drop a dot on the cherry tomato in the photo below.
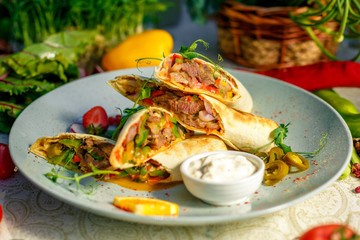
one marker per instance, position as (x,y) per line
(95,121)
(330,231)
(7,165)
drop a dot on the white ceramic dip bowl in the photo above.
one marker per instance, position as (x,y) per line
(227,191)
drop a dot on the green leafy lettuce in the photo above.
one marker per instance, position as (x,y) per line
(40,68)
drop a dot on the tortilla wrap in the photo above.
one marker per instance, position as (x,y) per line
(123,154)
(239,99)
(172,158)
(240,130)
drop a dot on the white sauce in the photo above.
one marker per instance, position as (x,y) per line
(221,168)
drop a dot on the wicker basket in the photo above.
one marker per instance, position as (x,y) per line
(266,38)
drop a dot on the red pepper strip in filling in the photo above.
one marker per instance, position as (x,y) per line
(76,159)
(147,101)
(157,93)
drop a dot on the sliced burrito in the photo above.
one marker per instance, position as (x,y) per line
(145,134)
(82,152)
(165,166)
(77,152)
(201,77)
(198,112)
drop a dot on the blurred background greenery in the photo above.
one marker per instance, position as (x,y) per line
(47,43)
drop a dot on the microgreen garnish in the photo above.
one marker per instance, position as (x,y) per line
(322,142)
(144,93)
(53,176)
(190,52)
(147,59)
(280,134)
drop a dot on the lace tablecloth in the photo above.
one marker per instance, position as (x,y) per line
(29,214)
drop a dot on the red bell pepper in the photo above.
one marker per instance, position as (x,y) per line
(320,75)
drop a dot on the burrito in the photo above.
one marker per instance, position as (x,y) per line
(165,166)
(146,133)
(201,77)
(77,152)
(201,113)
(82,152)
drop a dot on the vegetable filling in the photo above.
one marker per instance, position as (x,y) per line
(153,131)
(150,171)
(80,154)
(191,109)
(193,73)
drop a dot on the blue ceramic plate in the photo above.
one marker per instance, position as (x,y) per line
(310,117)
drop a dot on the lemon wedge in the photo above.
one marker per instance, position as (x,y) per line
(146,206)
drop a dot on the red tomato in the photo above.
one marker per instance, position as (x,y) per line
(7,165)
(95,121)
(1,213)
(330,232)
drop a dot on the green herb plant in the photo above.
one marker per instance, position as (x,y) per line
(32,20)
(344,12)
